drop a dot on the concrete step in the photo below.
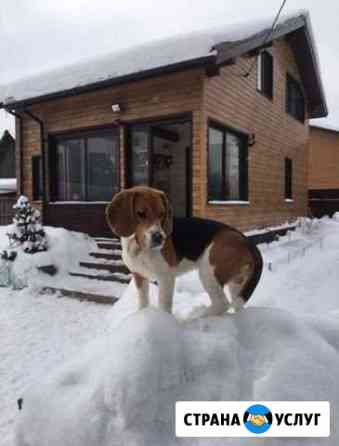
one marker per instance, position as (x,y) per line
(82,296)
(109,245)
(112,268)
(106,255)
(114,277)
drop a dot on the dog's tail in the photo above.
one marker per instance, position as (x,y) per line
(253,280)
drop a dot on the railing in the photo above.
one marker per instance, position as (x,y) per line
(6,209)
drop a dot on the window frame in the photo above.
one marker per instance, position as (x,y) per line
(243,165)
(288,173)
(291,81)
(261,74)
(82,134)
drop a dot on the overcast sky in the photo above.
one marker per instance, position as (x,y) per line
(36,35)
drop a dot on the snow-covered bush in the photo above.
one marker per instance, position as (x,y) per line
(27,231)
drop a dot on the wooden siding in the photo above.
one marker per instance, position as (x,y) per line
(233,100)
(7,201)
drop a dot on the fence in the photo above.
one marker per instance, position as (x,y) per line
(6,209)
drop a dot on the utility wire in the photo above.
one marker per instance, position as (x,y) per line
(267,37)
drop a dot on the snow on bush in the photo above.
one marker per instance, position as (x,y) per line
(122,389)
(27,231)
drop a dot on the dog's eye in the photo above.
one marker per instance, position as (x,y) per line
(141,215)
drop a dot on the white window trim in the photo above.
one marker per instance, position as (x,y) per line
(229,202)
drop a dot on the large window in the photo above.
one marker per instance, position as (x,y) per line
(86,166)
(265,74)
(295,102)
(227,165)
(288,178)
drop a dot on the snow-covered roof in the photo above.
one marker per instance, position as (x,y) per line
(7,185)
(175,52)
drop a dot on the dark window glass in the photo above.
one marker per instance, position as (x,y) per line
(102,167)
(265,74)
(295,102)
(288,178)
(227,165)
(87,167)
(37,177)
(139,168)
(71,185)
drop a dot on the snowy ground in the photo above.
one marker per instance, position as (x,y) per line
(284,346)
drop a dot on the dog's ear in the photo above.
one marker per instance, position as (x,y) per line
(120,214)
(167,224)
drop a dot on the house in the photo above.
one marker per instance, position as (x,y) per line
(217,119)
(7,156)
(323,178)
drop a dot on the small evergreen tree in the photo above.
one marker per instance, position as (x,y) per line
(27,231)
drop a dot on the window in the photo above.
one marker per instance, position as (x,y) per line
(227,165)
(295,102)
(37,177)
(288,179)
(87,166)
(265,74)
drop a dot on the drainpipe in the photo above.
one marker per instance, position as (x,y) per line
(16,115)
(43,158)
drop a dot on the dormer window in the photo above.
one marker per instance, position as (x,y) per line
(265,74)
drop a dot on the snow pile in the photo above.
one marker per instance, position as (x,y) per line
(122,390)
(65,249)
(7,185)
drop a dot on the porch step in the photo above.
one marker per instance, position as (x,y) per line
(106,243)
(116,267)
(82,296)
(113,255)
(114,277)
(109,245)
(106,263)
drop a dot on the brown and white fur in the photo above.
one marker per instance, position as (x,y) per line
(156,247)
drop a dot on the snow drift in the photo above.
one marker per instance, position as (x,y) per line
(122,388)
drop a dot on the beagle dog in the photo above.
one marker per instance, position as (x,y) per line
(158,247)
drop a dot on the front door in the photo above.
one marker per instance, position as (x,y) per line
(159,156)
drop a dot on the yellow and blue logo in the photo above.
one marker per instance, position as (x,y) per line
(258,419)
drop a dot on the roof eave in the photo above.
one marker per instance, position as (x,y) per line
(180,66)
